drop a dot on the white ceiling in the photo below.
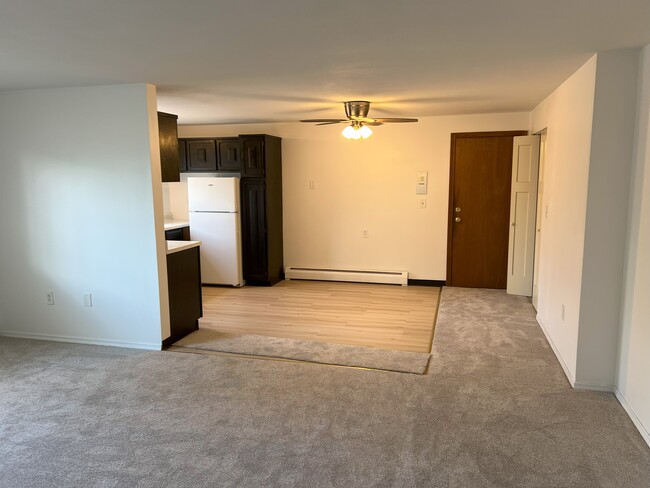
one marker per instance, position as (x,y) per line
(225,61)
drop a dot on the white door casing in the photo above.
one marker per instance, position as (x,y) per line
(523,206)
(538,224)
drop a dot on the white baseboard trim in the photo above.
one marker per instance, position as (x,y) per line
(556,351)
(638,423)
(352,275)
(81,340)
(574,384)
(594,387)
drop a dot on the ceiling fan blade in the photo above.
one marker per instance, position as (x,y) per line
(396,119)
(376,122)
(333,121)
(330,122)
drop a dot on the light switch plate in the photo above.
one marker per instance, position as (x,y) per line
(421,184)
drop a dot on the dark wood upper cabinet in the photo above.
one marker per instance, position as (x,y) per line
(182,156)
(253,157)
(229,154)
(201,155)
(168,135)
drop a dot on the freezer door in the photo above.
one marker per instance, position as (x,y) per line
(220,237)
(213,194)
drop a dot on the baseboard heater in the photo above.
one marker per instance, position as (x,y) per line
(355,275)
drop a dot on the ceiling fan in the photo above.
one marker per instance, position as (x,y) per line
(357,116)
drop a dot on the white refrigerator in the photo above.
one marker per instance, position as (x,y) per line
(214,220)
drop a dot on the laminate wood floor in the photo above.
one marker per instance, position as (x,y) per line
(383,316)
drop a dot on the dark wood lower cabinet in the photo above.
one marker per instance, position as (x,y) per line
(182,234)
(185,301)
(261,214)
(253,215)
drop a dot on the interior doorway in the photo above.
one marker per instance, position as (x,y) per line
(479,208)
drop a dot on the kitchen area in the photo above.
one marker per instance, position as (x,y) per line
(222,200)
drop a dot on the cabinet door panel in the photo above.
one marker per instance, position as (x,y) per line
(182,156)
(168,137)
(254,250)
(182,234)
(185,301)
(253,163)
(201,156)
(229,155)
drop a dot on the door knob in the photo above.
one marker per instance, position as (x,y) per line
(457,219)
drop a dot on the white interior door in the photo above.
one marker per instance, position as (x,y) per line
(523,205)
(538,224)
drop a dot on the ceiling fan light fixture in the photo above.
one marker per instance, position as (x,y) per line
(356,113)
(357,132)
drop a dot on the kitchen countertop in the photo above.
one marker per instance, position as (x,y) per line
(176,224)
(177,246)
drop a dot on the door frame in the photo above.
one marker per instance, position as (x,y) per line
(452,167)
(543,137)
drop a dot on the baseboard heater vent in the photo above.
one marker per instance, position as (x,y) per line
(355,275)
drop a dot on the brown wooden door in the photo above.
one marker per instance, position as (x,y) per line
(479,209)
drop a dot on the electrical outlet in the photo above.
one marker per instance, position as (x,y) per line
(364,233)
(49,298)
(88,300)
(423,203)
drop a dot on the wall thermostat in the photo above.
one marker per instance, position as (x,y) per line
(421,185)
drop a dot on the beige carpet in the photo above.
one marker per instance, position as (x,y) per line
(494,411)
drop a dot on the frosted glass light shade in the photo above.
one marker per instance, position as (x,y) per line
(365,131)
(352,132)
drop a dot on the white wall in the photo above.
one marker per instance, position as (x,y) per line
(175,199)
(591,124)
(633,382)
(612,147)
(82,212)
(367,185)
(567,115)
